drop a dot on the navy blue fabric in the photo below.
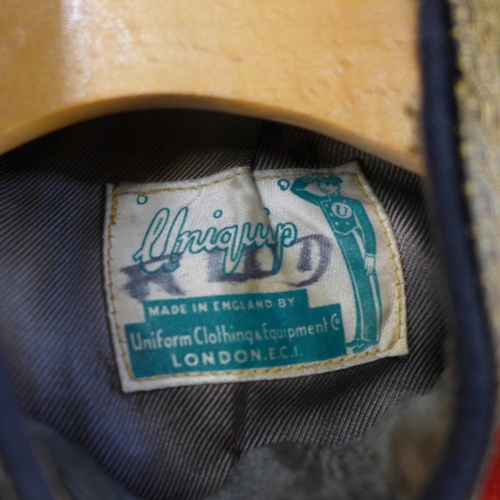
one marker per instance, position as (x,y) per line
(458,472)
(78,474)
(16,449)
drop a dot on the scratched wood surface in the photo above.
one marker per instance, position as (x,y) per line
(345,68)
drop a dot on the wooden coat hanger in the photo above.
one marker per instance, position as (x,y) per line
(345,68)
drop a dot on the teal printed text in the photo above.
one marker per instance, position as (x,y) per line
(233,332)
(166,240)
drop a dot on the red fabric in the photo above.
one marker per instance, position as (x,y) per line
(492,483)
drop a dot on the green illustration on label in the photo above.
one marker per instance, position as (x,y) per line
(356,238)
(233,332)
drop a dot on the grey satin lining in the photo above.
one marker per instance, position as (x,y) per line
(180,443)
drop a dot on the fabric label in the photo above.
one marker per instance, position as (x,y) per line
(250,275)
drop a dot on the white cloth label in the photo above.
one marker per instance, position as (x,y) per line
(250,275)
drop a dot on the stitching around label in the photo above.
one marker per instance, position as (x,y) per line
(255,371)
